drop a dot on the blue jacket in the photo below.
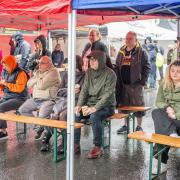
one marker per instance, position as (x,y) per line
(57,58)
(11,78)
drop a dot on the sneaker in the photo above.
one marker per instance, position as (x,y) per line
(174,135)
(122,130)
(95,152)
(39,133)
(47,136)
(3,135)
(139,128)
(155,167)
(45,147)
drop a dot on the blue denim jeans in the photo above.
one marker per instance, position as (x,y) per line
(96,120)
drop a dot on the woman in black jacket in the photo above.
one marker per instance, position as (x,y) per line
(94,44)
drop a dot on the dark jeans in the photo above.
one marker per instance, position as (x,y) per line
(8,105)
(96,120)
(166,126)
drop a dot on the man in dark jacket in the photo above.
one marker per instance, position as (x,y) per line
(133,70)
(41,50)
(96,100)
(22,49)
(13,85)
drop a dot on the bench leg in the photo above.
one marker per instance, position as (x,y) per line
(159,155)
(106,124)
(21,132)
(55,145)
(133,118)
(150,161)
(56,157)
(128,128)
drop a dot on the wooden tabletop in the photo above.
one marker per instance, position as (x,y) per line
(38,121)
(156,138)
(133,108)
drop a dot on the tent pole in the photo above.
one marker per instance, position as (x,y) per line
(71,95)
(50,44)
(178,35)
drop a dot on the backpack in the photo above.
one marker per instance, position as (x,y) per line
(159,60)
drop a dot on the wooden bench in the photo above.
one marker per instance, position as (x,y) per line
(130,110)
(45,122)
(158,139)
(107,124)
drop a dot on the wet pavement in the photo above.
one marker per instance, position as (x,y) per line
(126,159)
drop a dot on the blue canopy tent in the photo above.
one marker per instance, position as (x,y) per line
(105,8)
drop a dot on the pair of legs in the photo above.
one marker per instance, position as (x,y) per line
(96,120)
(152,75)
(166,126)
(44,106)
(132,96)
(8,105)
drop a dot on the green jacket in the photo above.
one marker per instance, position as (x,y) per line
(169,97)
(98,89)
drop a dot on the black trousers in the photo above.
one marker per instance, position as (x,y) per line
(166,126)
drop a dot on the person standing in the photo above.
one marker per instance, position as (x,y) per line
(22,49)
(152,50)
(57,56)
(94,44)
(133,70)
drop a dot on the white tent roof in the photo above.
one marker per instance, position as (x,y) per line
(142,28)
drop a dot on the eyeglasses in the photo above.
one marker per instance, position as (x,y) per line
(42,63)
(92,59)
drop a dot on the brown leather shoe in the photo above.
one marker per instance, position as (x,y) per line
(95,152)
(77,149)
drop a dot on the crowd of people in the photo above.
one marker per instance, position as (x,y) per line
(99,86)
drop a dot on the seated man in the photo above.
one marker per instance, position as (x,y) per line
(45,83)
(58,107)
(13,85)
(96,100)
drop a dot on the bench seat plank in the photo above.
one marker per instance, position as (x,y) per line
(156,138)
(118,116)
(38,121)
(133,108)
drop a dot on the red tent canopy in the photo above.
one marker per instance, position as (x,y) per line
(34,7)
(52,14)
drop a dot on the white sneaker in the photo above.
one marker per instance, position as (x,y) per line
(155,167)
(174,135)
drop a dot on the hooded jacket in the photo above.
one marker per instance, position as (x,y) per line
(98,89)
(38,54)
(15,80)
(140,66)
(22,48)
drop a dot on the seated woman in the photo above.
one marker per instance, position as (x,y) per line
(96,100)
(167,115)
(59,108)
